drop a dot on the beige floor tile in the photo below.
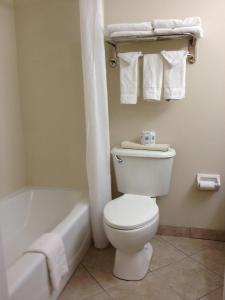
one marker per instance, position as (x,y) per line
(189,279)
(212,258)
(215,295)
(174,276)
(188,245)
(100,259)
(164,254)
(101,296)
(151,287)
(106,279)
(100,264)
(81,286)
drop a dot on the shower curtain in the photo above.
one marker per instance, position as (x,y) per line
(96,111)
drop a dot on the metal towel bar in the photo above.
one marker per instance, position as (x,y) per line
(114,42)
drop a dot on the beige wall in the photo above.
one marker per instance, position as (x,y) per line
(12,162)
(195,127)
(51,91)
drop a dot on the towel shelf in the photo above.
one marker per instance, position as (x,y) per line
(114,42)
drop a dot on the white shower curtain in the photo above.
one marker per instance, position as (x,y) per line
(96,110)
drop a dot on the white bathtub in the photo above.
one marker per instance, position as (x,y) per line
(26,215)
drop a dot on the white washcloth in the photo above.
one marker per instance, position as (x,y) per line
(196,30)
(173,23)
(131,33)
(152,76)
(174,74)
(143,26)
(52,247)
(129,77)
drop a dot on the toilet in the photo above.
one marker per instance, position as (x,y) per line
(131,220)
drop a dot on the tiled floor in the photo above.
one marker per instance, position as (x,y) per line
(181,269)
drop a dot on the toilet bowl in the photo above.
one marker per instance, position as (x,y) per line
(130,222)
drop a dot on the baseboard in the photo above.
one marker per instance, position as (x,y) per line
(191,232)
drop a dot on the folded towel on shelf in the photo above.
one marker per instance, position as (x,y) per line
(142,26)
(174,74)
(150,147)
(51,246)
(173,23)
(131,33)
(129,75)
(152,76)
(196,30)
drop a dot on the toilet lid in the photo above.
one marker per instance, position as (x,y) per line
(130,211)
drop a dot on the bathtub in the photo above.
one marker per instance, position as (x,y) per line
(24,216)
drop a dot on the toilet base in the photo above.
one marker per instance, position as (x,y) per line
(132,266)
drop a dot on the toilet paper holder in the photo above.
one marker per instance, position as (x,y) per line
(208,182)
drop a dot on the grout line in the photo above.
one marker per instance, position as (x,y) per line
(188,255)
(208,294)
(89,272)
(105,289)
(191,257)
(102,287)
(168,265)
(67,287)
(171,244)
(205,267)
(86,269)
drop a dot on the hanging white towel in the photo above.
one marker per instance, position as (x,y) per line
(152,76)
(196,30)
(131,33)
(174,74)
(129,77)
(173,23)
(142,26)
(52,247)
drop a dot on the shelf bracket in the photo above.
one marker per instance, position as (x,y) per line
(113,55)
(192,50)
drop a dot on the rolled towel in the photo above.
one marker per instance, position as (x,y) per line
(150,147)
(196,30)
(174,23)
(142,26)
(131,33)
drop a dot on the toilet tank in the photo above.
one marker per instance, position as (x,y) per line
(143,172)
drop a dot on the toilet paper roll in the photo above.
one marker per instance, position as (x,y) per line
(207,185)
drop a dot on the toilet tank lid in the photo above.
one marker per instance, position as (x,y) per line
(143,153)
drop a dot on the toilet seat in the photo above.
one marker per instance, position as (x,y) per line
(130,212)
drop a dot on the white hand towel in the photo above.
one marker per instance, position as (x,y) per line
(131,33)
(143,26)
(173,23)
(129,77)
(196,30)
(52,247)
(174,74)
(152,76)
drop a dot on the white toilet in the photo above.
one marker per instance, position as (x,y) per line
(131,221)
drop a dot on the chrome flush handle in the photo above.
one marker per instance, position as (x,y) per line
(118,159)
